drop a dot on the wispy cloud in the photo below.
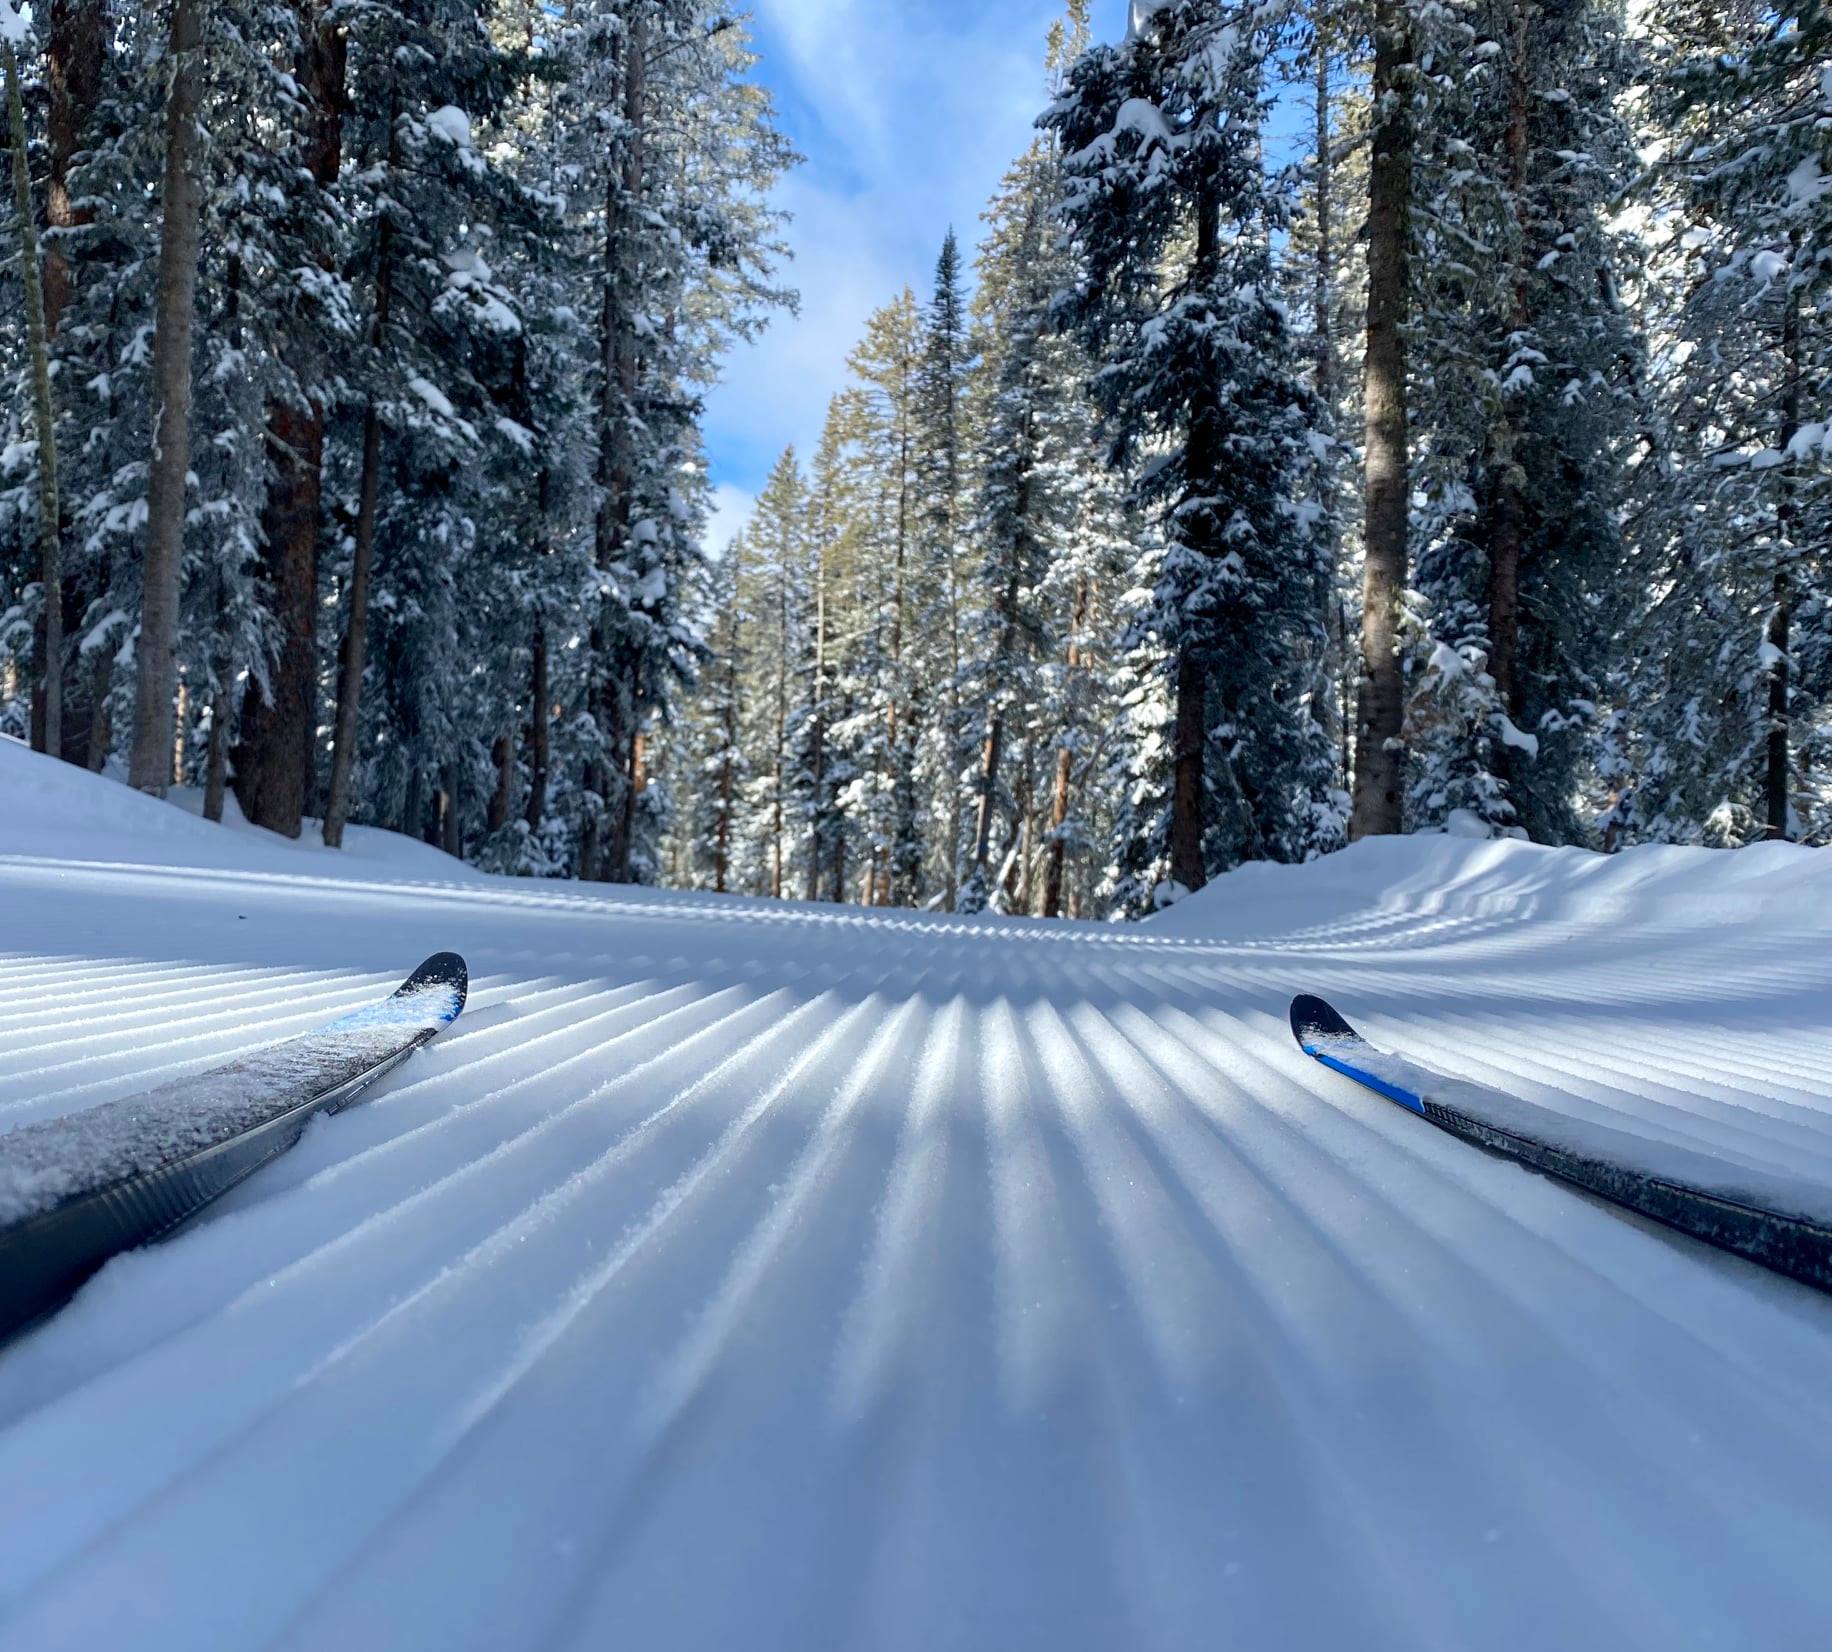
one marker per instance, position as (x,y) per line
(908,114)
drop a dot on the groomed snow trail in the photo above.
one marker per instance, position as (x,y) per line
(743,1276)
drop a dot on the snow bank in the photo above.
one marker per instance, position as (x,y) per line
(55,811)
(1454,872)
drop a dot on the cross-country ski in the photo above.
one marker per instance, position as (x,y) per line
(1762,1212)
(78,1189)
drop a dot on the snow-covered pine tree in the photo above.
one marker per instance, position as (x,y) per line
(48,654)
(1526,418)
(774,597)
(288,232)
(824,769)
(882,683)
(942,443)
(1728,671)
(1173,214)
(688,244)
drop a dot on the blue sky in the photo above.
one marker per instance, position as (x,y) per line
(908,112)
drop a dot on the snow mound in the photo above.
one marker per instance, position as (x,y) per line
(55,811)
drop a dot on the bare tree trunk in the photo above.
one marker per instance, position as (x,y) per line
(150,769)
(538,734)
(1379,748)
(1330,666)
(217,766)
(1189,787)
(1190,736)
(274,758)
(101,733)
(1507,525)
(992,752)
(780,779)
(502,800)
(354,653)
(74,73)
(1778,787)
(1065,761)
(618,703)
(48,712)
(1027,813)
(902,819)
(368,498)
(818,760)
(728,775)
(452,835)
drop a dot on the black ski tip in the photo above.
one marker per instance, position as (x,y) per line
(443,969)
(1313,1018)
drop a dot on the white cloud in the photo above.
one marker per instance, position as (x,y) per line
(731,509)
(910,114)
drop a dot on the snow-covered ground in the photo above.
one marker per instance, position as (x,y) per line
(761,1277)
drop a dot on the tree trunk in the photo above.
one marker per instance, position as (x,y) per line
(452,832)
(1777,787)
(1026,868)
(1507,525)
(150,768)
(780,778)
(101,733)
(1323,703)
(74,74)
(992,752)
(274,758)
(1190,735)
(728,775)
(891,884)
(1189,788)
(356,626)
(818,756)
(217,765)
(1323,299)
(538,734)
(1380,717)
(48,710)
(1065,761)
(356,632)
(502,800)
(616,707)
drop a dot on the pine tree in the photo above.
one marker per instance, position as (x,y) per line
(1174,214)
(47,717)
(1726,681)
(179,214)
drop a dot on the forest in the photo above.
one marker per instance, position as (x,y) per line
(1351,417)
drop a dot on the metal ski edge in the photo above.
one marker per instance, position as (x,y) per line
(1790,1245)
(45,1259)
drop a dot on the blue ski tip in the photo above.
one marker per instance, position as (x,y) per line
(444,969)
(1313,1019)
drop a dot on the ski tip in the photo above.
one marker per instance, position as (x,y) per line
(1314,1019)
(446,972)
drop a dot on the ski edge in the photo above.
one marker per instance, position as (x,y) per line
(46,1258)
(1790,1245)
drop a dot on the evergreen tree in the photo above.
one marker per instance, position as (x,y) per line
(1162,157)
